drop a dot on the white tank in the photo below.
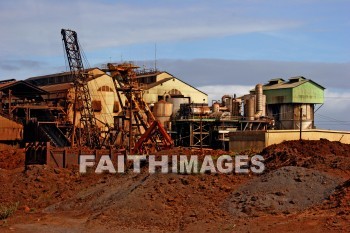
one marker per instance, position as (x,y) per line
(177,102)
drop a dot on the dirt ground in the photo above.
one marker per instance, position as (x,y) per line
(306,188)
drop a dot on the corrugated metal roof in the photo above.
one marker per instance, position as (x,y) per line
(293,82)
(166,80)
(64,74)
(57,87)
(6,84)
(148,74)
(149,86)
(21,86)
(276,79)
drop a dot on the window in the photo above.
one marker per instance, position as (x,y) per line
(105,89)
(174,92)
(96,105)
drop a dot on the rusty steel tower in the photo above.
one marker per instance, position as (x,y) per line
(89,134)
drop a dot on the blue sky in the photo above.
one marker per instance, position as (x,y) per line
(239,42)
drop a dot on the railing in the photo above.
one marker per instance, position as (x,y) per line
(206,117)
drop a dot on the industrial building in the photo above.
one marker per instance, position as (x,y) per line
(181,109)
(160,85)
(285,100)
(277,105)
(200,125)
(122,108)
(155,85)
(20,103)
(60,89)
(291,105)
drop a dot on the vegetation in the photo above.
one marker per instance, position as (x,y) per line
(7,210)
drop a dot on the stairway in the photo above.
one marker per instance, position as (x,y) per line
(54,134)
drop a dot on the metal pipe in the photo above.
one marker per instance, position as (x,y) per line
(259,101)
(225,103)
(165,97)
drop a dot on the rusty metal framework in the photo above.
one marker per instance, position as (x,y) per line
(89,135)
(136,124)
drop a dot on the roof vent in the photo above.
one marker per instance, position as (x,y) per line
(275,81)
(296,79)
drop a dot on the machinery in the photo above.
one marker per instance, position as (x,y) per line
(136,122)
(89,135)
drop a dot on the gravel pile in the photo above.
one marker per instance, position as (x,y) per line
(286,190)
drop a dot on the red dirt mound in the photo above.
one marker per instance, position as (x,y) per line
(322,155)
(341,198)
(12,158)
(157,202)
(182,203)
(40,185)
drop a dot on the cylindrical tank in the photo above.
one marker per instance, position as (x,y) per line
(259,100)
(236,107)
(249,108)
(198,110)
(177,101)
(162,111)
(216,107)
(206,110)
(162,108)
(264,105)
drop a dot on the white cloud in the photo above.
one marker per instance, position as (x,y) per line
(207,72)
(32,27)
(335,112)
(337,100)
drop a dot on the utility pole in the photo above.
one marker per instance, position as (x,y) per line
(201,130)
(130,119)
(300,121)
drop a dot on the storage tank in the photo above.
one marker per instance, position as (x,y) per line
(249,108)
(216,107)
(200,110)
(177,101)
(162,111)
(264,105)
(236,107)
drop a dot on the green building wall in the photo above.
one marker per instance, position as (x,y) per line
(307,93)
